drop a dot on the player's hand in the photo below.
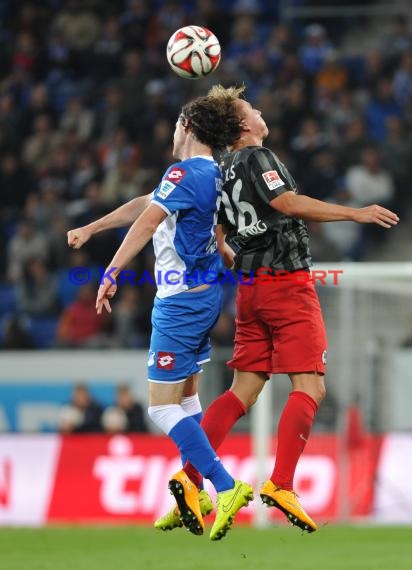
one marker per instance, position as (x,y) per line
(78,237)
(376,215)
(228,256)
(106,291)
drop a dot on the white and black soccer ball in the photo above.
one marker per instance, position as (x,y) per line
(193,52)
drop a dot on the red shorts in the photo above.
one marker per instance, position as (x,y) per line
(279,329)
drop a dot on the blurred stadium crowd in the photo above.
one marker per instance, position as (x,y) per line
(85,414)
(87,112)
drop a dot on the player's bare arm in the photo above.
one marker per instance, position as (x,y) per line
(225,251)
(306,208)
(136,238)
(122,216)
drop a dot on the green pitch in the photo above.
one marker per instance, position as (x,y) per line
(142,548)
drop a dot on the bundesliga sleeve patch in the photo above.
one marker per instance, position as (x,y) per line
(165,189)
(165,360)
(176,174)
(272,179)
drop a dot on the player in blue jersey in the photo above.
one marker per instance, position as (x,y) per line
(181,219)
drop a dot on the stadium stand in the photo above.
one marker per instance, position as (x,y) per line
(88,105)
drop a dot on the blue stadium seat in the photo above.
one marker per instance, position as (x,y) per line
(66,290)
(355,64)
(8,228)
(8,300)
(43,331)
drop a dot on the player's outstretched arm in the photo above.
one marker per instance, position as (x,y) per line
(298,206)
(125,215)
(136,238)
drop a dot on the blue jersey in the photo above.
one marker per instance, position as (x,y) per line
(185,242)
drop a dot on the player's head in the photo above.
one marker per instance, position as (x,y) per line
(212,121)
(252,125)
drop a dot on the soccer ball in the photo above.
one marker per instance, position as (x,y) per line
(193,52)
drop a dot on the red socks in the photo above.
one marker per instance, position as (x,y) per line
(217,422)
(294,429)
(293,433)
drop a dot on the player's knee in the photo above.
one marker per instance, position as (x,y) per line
(320,393)
(166,416)
(246,397)
(311,384)
(252,400)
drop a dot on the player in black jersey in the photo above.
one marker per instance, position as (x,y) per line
(263,237)
(279,325)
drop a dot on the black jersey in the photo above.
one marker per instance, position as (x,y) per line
(261,236)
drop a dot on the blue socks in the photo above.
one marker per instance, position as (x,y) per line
(194,445)
(198,418)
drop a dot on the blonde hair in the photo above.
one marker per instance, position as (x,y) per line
(214,119)
(227,94)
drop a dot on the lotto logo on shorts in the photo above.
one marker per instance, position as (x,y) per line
(166,360)
(176,174)
(272,179)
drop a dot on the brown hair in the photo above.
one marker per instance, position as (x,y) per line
(214,119)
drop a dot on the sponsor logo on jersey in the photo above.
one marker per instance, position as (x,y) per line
(176,174)
(272,179)
(165,189)
(166,360)
(258,228)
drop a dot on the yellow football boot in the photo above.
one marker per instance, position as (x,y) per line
(287,502)
(187,498)
(171,520)
(228,504)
